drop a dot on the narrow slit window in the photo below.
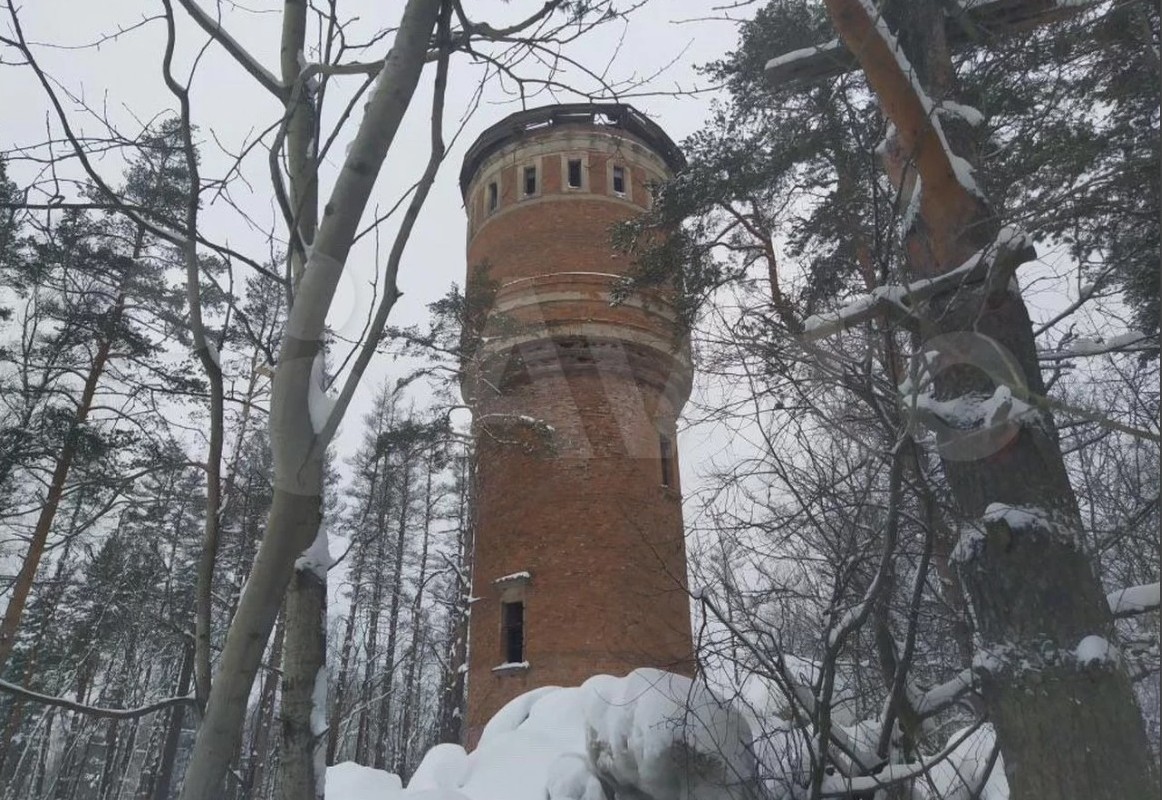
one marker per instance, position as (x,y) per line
(493,196)
(666,448)
(619,180)
(512,633)
(530,180)
(574,173)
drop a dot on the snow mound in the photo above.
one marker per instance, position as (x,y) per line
(650,734)
(351,781)
(664,735)
(653,735)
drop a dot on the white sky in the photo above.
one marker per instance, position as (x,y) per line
(121,80)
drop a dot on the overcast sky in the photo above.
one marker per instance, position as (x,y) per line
(120,80)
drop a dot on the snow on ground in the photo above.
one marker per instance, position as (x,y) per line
(654,735)
(351,781)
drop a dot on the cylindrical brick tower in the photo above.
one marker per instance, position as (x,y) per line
(579,563)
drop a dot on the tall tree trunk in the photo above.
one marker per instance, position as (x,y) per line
(109,751)
(296,517)
(259,755)
(302,763)
(22,585)
(391,662)
(367,696)
(42,759)
(402,764)
(346,653)
(173,733)
(1068,725)
(451,714)
(299,451)
(16,710)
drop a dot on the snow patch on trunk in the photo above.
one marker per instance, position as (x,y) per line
(1093,651)
(317,557)
(319,403)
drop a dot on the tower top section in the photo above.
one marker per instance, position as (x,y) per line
(606,117)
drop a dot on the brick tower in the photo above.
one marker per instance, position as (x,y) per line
(580,564)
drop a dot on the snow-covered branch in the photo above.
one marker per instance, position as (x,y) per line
(994,266)
(1134,600)
(944,695)
(1130,341)
(94,711)
(841,786)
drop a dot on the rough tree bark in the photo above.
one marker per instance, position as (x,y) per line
(1068,727)
(302,762)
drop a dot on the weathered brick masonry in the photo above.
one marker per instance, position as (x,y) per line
(575,400)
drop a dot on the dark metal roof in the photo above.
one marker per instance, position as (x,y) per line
(590,115)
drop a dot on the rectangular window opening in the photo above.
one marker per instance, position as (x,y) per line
(574,173)
(512,633)
(619,180)
(530,180)
(493,196)
(667,453)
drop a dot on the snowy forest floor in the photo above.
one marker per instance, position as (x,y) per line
(652,734)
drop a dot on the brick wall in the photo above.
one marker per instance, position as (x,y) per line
(571,398)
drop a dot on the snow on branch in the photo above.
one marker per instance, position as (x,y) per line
(941,697)
(94,711)
(994,265)
(1134,600)
(973,412)
(891,774)
(320,404)
(1130,341)
(963,29)
(787,62)
(1025,520)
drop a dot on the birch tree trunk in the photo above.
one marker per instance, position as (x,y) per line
(298,451)
(1068,725)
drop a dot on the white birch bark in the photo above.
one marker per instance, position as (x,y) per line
(297,450)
